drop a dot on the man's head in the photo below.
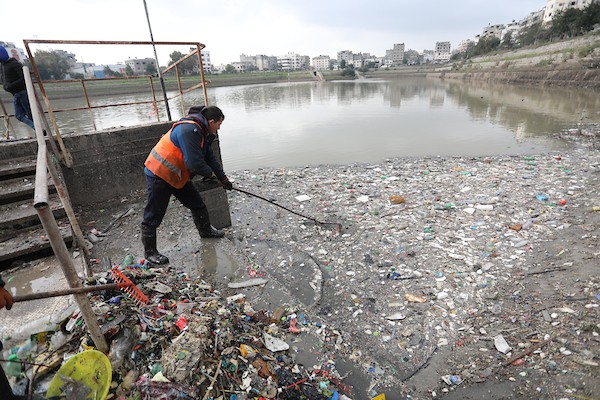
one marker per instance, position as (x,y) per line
(3,54)
(214,116)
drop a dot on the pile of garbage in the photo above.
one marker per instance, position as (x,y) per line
(188,342)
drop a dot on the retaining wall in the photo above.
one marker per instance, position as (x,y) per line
(108,165)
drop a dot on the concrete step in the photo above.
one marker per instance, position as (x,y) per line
(22,214)
(17,167)
(20,188)
(29,242)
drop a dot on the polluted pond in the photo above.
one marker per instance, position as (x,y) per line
(440,277)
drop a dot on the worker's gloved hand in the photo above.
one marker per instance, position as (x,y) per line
(6,299)
(226,184)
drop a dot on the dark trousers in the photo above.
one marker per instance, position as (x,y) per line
(22,108)
(159,193)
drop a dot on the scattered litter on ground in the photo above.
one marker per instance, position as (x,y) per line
(447,272)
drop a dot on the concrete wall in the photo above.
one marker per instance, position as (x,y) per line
(108,165)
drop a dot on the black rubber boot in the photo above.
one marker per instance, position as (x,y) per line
(202,222)
(149,242)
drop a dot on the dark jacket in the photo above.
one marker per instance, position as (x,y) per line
(13,79)
(196,147)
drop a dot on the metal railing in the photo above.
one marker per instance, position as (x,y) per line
(41,204)
(62,151)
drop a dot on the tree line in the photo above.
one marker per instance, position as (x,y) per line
(565,24)
(52,64)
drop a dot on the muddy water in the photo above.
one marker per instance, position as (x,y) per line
(308,123)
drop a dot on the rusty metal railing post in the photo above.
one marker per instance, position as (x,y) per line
(199,49)
(179,89)
(154,99)
(40,202)
(63,194)
(87,101)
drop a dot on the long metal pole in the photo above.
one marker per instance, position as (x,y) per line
(162,82)
(40,202)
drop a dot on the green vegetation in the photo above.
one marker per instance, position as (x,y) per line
(347,69)
(51,65)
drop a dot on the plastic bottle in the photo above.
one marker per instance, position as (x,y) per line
(13,367)
(26,350)
(127,261)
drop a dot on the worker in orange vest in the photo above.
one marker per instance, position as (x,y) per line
(183,152)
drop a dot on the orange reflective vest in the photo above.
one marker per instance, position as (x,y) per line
(166,160)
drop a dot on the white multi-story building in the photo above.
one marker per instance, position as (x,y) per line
(321,62)
(266,63)
(442,52)
(493,31)
(293,62)
(242,66)
(206,63)
(395,56)
(555,6)
(464,45)
(345,55)
(532,18)
(261,61)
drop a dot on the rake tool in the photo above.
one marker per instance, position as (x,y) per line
(123,283)
(338,226)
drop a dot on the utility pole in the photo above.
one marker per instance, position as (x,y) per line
(162,82)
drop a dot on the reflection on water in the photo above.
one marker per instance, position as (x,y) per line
(292,124)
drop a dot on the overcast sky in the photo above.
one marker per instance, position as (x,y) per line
(229,28)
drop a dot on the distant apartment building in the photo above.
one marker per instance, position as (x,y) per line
(293,62)
(206,62)
(464,45)
(395,56)
(261,61)
(532,19)
(246,58)
(555,6)
(321,62)
(428,56)
(14,52)
(140,65)
(511,30)
(345,55)
(442,52)
(372,61)
(70,58)
(412,57)
(493,31)
(85,69)
(207,65)
(242,66)
(266,63)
